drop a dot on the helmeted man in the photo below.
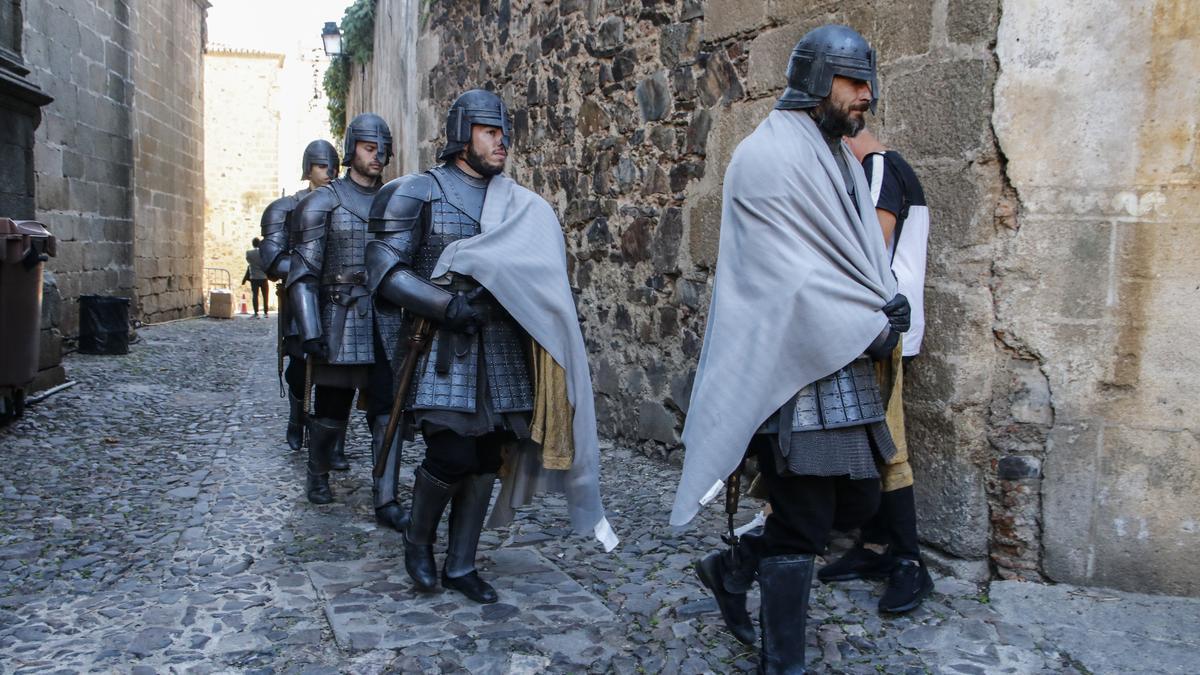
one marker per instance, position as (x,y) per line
(334,315)
(787,372)
(469,250)
(319,165)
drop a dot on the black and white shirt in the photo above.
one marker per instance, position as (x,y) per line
(895,188)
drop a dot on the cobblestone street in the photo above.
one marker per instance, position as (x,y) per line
(153,520)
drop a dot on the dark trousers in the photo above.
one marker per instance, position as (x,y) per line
(333,402)
(805,509)
(259,286)
(293,374)
(895,524)
(380,383)
(450,457)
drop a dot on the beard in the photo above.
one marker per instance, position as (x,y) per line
(835,121)
(363,167)
(476,162)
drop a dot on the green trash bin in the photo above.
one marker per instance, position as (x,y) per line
(25,245)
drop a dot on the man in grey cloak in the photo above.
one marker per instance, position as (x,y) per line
(482,259)
(803,301)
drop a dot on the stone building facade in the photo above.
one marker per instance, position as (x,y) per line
(1052,415)
(242,169)
(117,158)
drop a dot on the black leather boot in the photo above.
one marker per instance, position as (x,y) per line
(467,512)
(338,461)
(295,425)
(785,582)
(429,499)
(322,437)
(907,587)
(857,563)
(728,575)
(388,510)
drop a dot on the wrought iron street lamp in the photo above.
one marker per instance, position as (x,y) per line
(332,37)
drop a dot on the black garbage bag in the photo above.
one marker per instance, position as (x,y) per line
(103,325)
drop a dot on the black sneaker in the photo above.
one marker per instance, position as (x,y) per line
(857,563)
(907,586)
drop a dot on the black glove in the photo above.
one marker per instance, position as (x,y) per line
(317,348)
(460,315)
(883,346)
(899,313)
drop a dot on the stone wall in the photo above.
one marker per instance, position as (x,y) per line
(241,154)
(118,147)
(1096,289)
(626,114)
(168,158)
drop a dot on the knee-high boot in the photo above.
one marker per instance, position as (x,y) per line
(338,461)
(323,433)
(467,512)
(728,574)
(429,499)
(785,582)
(388,510)
(295,425)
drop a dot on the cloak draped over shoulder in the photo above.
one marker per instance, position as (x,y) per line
(802,276)
(520,258)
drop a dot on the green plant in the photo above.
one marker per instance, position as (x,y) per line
(358,46)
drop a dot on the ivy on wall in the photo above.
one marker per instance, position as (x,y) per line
(358,45)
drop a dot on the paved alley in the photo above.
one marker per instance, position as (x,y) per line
(152,520)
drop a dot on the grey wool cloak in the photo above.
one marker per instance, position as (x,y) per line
(802,276)
(521,259)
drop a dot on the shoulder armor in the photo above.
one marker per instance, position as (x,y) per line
(313,208)
(398,204)
(277,211)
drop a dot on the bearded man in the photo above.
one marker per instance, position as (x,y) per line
(483,259)
(327,286)
(803,301)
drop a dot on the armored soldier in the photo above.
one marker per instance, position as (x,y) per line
(319,166)
(798,219)
(473,391)
(332,307)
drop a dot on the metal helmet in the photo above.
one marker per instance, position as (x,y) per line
(368,127)
(320,152)
(819,55)
(477,106)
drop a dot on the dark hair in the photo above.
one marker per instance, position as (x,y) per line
(255,242)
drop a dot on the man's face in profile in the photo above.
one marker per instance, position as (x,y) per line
(842,113)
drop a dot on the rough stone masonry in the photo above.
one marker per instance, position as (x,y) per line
(1053,414)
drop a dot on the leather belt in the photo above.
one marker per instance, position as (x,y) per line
(358,278)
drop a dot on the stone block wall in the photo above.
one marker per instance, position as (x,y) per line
(79,51)
(111,164)
(241,154)
(168,158)
(1051,436)
(1096,288)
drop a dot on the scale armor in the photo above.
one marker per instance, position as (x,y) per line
(413,219)
(849,397)
(329,230)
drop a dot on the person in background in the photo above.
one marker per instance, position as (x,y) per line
(257,276)
(888,547)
